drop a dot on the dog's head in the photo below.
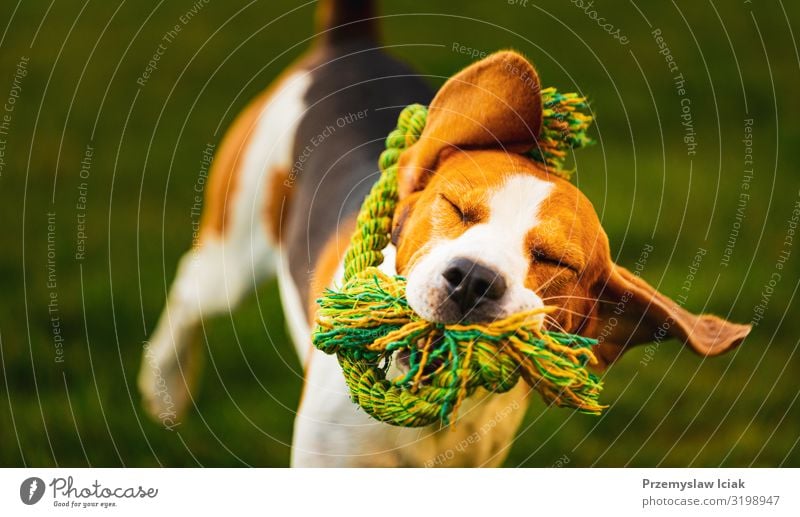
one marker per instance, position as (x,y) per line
(483,232)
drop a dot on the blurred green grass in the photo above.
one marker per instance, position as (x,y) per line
(736,410)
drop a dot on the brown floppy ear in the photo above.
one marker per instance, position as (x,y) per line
(495,102)
(632,312)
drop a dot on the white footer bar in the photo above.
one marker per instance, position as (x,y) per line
(534,492)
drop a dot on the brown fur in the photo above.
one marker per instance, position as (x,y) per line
(323,277)
(465,151)
(495,102)
(226,167)
(330,259)
(279,195)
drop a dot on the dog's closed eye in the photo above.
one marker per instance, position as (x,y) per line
(469,215)
(541,256)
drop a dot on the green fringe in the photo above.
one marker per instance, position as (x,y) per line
(368,320)
(565,122)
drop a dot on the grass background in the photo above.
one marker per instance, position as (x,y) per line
(739,61)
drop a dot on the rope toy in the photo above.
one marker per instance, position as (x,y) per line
(368,323)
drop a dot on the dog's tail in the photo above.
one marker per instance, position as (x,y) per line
(344,20)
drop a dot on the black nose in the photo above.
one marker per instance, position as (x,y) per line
(471,284)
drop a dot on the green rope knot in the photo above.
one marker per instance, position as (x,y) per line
(368,323)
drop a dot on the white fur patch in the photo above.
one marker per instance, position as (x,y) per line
(214,277)
(498,243)
(271,149)
(330,430)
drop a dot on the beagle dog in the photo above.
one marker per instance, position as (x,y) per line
(481,231)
